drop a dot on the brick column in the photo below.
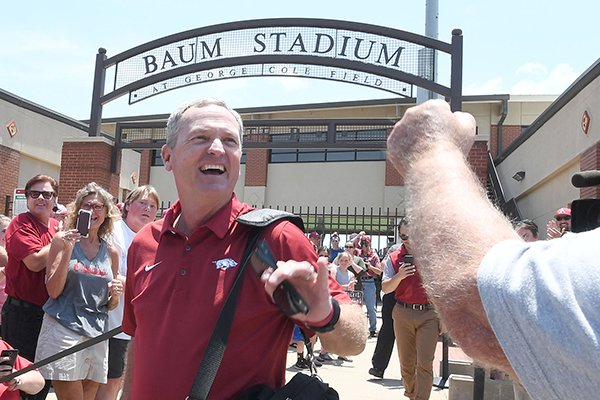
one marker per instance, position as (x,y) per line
(392,177)
(590,159)
(10,161)
(257,162)
(478,159)
(145,164)
(83,161)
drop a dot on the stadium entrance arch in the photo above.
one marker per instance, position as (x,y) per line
(369,55)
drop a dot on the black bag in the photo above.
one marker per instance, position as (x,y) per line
(300,387)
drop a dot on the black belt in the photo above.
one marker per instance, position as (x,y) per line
(420,307)
(20,303)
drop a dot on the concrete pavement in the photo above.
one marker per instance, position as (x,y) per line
(352,379)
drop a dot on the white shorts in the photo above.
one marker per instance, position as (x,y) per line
(90,363)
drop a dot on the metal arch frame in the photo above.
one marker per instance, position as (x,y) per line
(454,49)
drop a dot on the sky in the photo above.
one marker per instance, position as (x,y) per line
(48,49)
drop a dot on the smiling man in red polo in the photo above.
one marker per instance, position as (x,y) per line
(181,268)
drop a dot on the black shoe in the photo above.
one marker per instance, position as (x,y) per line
(301,364)
(317,362)
(342,358)
(376,372)
(324,357)
(372,334)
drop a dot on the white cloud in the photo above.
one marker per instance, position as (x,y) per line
(493,86)
(544,81)
(532,69)
(529,78)
(291,83)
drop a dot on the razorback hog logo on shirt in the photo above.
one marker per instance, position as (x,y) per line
(88,269)
(225,263)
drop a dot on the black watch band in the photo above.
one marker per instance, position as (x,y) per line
(331,324)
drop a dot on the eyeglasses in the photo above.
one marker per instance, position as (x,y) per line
(35,194)
(324,255)
(565,218)
(348,247)
(92,206)
(404,237)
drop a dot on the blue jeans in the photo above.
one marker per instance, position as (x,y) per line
(371,302)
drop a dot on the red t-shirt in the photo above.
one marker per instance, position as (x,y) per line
(26,235)
(410,290)
(176,287)
(20,363)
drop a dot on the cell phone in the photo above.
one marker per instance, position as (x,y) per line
(409,259)
(12,357)
(84,218)
(286,296)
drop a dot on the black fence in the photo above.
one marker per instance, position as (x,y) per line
(380,223)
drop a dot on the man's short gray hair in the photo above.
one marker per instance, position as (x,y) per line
(175,118)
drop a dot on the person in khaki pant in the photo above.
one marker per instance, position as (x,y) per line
(416,323)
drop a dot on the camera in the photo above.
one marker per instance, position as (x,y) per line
(585,213)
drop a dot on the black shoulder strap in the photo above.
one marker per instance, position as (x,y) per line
(266,216)
(215,350)
(207,371)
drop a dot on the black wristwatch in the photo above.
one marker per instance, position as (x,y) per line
(331,324)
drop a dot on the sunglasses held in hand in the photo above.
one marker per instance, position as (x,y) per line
(285,296)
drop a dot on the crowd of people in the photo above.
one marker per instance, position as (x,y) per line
(63,288)
(166,280)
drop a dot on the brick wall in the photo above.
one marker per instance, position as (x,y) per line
(509,134)
(392,177)
(478,159)
(9,176)
(590,159)
(83,162)
(145,164)
(257,162)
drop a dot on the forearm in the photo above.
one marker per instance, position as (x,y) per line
(349,336)
(128,375)
(37,261)
(389,285)
(58,270)
(3,257)
(452,244)
(32,382)
(113,301)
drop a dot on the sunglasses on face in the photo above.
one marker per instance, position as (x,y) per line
(35,194)
(565,218)
(404,237)
(348,247)
(92,206)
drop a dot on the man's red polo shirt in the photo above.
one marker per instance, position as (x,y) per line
(410,290)
(26,235)
(176,287)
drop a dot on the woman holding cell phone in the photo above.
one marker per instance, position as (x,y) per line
(80,278)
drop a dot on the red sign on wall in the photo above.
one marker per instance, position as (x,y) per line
(12,128)
(586,120)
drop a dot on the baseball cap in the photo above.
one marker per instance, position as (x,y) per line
(313,235)
(563,211)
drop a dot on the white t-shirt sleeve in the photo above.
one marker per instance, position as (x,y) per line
(388,269)
(542,300)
